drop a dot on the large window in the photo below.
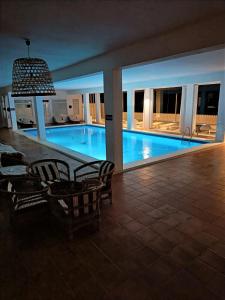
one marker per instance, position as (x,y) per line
(59,107)
(167,101)
(124,101)
(208,99)
(139,101)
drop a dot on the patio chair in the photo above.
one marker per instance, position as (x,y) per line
(203,128)
(100,169)
(23,194)
(74,119)
(75,205)
(25,123)
(59,120)
(50,170)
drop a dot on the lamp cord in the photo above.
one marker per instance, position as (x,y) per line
(28,46)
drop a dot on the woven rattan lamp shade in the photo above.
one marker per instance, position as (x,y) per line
(31,77)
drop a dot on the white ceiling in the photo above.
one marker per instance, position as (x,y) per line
(65,31)
(208,62)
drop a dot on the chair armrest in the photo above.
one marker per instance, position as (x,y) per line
(82,167)
(86,175)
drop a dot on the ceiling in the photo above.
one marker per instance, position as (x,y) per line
(208,62)
(64,32)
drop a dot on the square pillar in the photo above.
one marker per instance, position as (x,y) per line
(220,128)
(148,108)
(183,109)
(159,101)
(130,109)
(40,117)
(7,115)
(189,108)
(12,111)
(113,116)
(98,108)
(87,115)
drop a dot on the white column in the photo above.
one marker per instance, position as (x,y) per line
(130,109)
(12,111)
(220,128)
(159,101)
(87,116)
(7,112)
(113,116)
(148,108)
(40,117)
(191,97)
(33,109)
(183,109)
(4,112)
(98,108)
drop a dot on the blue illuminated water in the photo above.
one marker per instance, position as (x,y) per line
(90,140)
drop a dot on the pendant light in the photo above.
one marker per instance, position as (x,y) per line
(31,77)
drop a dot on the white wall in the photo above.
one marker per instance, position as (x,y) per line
(74,105)
(50,106)
(60,95)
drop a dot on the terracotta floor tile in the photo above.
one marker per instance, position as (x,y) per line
(146,235)
(161,245)
(205,238)
(156,214)
(214,260)
(218,248)
(134,226)
(181,257)
(160,227)
(185,286)
(217,285)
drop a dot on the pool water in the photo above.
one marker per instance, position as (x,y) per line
(90,140)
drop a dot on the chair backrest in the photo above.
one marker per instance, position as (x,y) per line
(80,204)
(50,169)
(106,170)
(86,203)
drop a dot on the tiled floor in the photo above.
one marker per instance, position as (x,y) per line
(163,238)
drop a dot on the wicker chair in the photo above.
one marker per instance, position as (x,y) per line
(100,169)
(23,194)
(75,205)
(50,170)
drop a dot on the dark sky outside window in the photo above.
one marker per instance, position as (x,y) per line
(139,101)
(208,99)
(171,99)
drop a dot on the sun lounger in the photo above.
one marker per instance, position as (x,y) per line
(60,119)
(74,119)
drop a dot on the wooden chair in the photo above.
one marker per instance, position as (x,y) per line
(100,169)
(50,170)
(75,205)
(23,194)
